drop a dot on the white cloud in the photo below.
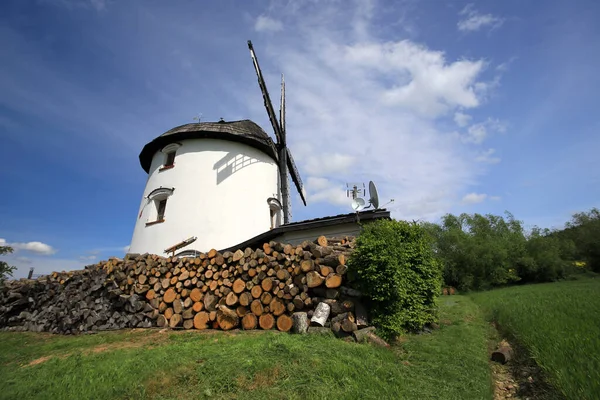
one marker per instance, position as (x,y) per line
(331,163)
(474,198)
(495,198)
(87,258)
(421,79)
(461,119)
(267,24)
(33,247)
(474,21)
(487,157)
(360,109)
(478,132)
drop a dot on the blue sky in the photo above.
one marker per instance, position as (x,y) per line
(448,106)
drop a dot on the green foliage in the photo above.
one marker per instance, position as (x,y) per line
(584,231)
(393,265)
(480,252)
(151,364)
(5,269)
(558,324)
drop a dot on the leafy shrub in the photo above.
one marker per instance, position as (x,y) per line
(5,269)
(393,265)
(480,252)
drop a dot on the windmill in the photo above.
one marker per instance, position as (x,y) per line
(285,159)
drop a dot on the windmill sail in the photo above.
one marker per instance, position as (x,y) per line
(285,161)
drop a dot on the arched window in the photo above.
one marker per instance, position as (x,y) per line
(169,152)
(158,205)
(275,212)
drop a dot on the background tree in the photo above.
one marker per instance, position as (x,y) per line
(5,269)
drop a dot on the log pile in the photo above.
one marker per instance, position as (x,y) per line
(278,286)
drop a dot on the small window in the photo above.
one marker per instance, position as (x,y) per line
(162,204)
(170,159)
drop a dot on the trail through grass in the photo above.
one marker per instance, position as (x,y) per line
(450,363)
(559,324)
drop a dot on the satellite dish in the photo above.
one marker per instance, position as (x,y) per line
(358,204)
(374,200)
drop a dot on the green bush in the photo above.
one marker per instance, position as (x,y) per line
(393,265)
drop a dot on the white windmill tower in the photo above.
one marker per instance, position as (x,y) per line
(214,184)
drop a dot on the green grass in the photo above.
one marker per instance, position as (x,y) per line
(450,363)
(559,324)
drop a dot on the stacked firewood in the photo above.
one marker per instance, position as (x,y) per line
(249,289)
(278,286)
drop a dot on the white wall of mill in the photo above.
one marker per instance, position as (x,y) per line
(220,196)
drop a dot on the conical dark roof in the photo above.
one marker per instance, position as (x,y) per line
(243,131)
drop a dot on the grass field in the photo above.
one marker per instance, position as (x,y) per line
(559,323)
(450,363)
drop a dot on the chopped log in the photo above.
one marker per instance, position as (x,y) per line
(150,294)
(307,265)
(241,311)
(212,253)
(161,321)
(210,302)
(373,338)
(361,334)
(168,313)
(341,269)
(177,306)
(277,306)
(300,322)
(257,308)
(256,291)
(333,281)
(267,284)
(227,318)
(313,279)
(266,298)
(239,285)
(188,314)
(249,321)
(169,295)
(201,320)
(175,320)
(231,299)
(237,256)
(198,306)
(321,241)
(348,325)
(503,353)
(266,321)
(267,248)
(321,314)
(284,323)
(245,299)
(325,270)
(188,324)
(196,295)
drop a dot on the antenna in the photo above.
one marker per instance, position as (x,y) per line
(353,190)
(198,118)
(374,200)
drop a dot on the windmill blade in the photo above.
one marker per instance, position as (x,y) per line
(282,113)
(295,175)
(266,98)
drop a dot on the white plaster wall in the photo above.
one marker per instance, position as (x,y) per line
(297,237)
(221,192)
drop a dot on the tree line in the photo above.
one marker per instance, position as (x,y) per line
(480,252)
